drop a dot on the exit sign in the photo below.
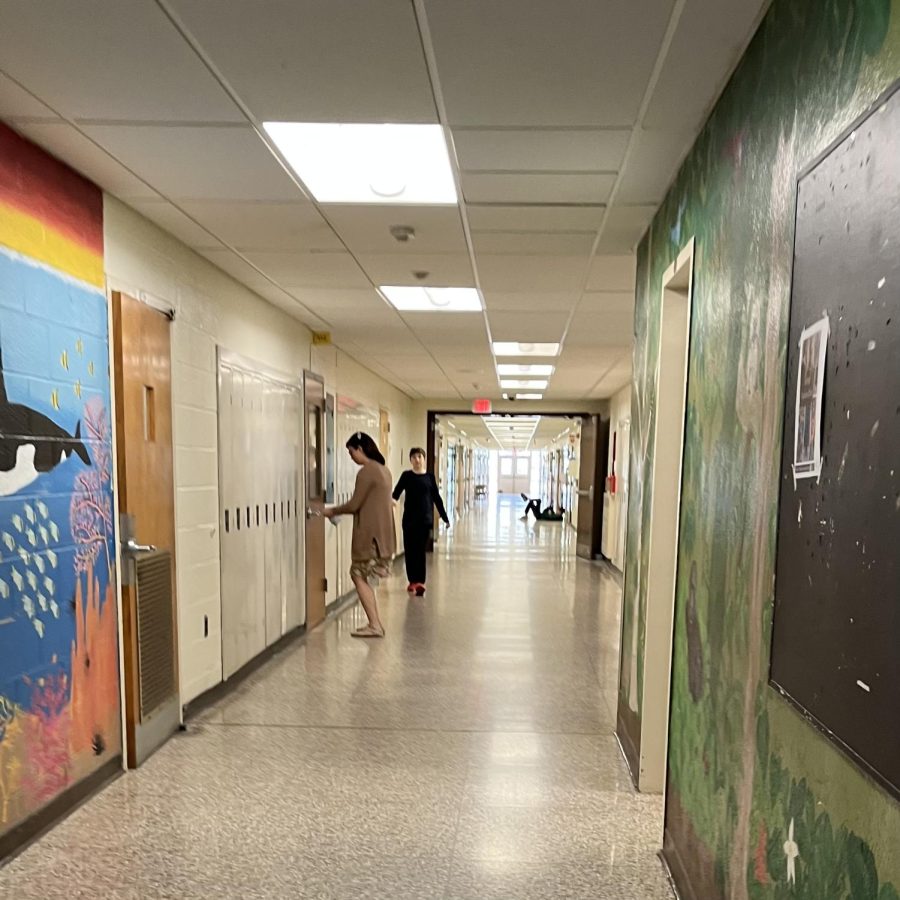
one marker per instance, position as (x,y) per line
(481,407)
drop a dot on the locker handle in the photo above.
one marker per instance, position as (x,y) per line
(313,513)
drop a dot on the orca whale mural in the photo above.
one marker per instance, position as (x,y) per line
(31,443)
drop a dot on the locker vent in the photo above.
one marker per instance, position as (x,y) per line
(155,630)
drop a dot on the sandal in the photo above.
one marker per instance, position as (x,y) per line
(367,631)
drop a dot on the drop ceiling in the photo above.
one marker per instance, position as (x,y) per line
(518,432)
(566,122)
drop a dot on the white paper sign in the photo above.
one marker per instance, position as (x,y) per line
(808,414)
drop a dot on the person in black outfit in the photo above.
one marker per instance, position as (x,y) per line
(418,517)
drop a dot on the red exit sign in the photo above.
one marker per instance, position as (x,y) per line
(481,407)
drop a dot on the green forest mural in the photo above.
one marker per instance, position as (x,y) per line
(759,805)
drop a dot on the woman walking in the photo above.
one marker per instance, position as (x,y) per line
(418,517)
(373,545)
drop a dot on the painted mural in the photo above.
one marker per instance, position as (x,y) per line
(759,805)
(59,687)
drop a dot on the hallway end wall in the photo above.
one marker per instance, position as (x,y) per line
(747,773)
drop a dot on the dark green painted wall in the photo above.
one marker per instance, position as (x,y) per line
(742,765)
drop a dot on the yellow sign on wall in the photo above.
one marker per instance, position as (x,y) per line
(321,338)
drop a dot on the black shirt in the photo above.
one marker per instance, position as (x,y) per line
(421,498)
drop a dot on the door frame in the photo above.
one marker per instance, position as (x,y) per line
(313,616)
(665,528)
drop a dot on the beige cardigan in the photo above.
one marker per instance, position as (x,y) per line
(373,514)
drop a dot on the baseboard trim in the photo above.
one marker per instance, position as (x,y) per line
(676,871)
(670,877)
(23,835)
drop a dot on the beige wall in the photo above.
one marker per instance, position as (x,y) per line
(213,309)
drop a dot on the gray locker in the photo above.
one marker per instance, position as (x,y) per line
(259,491)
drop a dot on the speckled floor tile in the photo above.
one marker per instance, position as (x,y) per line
(469,754)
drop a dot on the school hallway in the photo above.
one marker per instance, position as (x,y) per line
(468,754)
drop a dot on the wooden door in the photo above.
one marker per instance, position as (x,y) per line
(591,485)
(316,583)
(143,378)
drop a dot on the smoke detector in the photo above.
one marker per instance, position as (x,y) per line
(402,233)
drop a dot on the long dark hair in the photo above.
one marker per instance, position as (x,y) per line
(362,441)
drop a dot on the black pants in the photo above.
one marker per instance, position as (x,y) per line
(415,540)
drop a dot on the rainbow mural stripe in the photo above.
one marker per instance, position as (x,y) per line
(59,673)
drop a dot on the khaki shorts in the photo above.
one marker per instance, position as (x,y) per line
(370,569)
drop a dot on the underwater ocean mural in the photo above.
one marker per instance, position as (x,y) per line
(759,804)
(59,682)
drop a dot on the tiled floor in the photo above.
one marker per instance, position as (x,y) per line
(469,754)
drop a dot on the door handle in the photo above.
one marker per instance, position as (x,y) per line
(313,513)
(132,546)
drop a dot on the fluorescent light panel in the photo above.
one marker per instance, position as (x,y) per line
(529,396)
(523,384)
(381,164)
(525,369)
(432,299)
(524,348)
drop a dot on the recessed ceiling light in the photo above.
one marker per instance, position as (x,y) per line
(521,348)
(523,383)
(513,369)
(529,396)
(386,164)
(432,299)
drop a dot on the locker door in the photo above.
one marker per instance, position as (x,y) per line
(295,606)
(226,508)
(273,532)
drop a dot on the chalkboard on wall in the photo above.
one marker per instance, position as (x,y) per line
(836,635)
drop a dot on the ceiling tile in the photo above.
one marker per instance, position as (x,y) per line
(532,273)
(651,166)
(555,64)
(708,42)
(187,163)
(612,273)
(526,188)
(327,300)
(606,301)
(317,61)
(600,329)
(15,102)
(292,270)
(366,229)
(513,326)
(175,222)
(444,270)
(624,228)
(526,301)
(535,218)
(238,268)
(537,150)
(264,226)
(108,59)
(68,144)
(534,243)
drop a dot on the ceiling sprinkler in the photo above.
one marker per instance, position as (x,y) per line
(403,234)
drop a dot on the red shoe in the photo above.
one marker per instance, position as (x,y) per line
(410,588)
(420,590)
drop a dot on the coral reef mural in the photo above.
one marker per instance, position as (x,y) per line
(759,804)
(59,681)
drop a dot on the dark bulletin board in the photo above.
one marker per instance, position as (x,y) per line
(836,637)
